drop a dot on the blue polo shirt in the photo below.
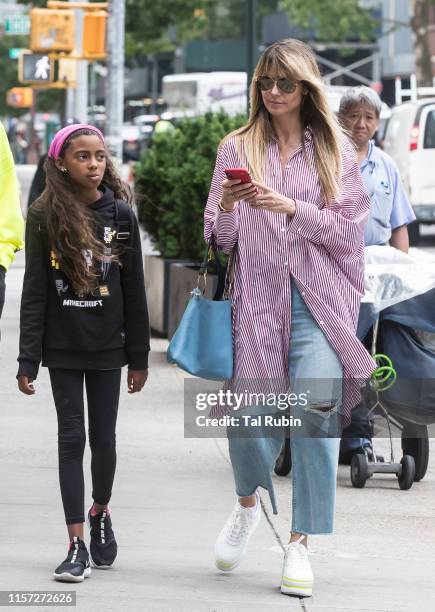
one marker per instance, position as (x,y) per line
(390,207)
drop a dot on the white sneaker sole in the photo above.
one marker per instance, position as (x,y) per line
(301,588)
(95,566)
(224,566)
(66,577)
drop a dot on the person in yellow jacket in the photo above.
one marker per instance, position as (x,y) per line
(11,219)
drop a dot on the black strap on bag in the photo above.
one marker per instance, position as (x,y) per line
(225,273)
(123,222)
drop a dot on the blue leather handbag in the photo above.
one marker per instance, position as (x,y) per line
(203,343)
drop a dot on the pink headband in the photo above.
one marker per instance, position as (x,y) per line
(62,135)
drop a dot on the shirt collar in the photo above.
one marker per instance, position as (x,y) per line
(308,135)
(370,157)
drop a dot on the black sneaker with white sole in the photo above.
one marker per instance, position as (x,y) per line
(103,548)
(76,566)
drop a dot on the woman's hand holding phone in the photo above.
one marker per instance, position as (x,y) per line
(237,187)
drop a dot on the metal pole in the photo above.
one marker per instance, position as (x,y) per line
(81,97)
(77,100)
(115,77)
(376,68)
(92,86)
(250,44)
(413,87)
(69,103)
(154,84)
(32,157)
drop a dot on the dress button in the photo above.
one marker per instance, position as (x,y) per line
(321,323)
(299,229)
(283,229)
(286,263)
(302,292)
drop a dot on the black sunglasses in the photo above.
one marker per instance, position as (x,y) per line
(266,84)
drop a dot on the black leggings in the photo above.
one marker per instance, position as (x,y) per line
(102,391)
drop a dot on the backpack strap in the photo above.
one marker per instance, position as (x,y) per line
(123,222)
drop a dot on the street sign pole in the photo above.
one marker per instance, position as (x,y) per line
(32,156)
(115,77)
(81,101)
(80,96)
(250,45)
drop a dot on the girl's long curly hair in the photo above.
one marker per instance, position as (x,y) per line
(70,225)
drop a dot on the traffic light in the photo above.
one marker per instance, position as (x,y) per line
(67,71)
(94,35)
(52,30)
(35,68)
(19,97)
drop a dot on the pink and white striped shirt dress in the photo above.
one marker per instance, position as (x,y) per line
(321,249)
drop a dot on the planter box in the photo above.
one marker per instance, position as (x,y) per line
(183,278)
(157,280)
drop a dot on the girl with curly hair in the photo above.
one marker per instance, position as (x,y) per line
(84,315)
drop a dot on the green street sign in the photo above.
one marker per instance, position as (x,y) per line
(15,53)
(17,25)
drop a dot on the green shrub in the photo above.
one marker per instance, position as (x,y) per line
(173,180)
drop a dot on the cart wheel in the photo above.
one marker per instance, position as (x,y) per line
(406,478)
(283,464)
(359,472)
(419,449)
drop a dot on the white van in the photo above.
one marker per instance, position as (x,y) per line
(197,93)
(410,140)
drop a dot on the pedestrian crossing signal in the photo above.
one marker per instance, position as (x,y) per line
(19,97)
(52,30)
(35,68)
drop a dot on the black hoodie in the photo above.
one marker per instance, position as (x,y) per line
(101,331)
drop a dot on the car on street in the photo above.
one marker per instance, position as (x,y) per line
(132,142)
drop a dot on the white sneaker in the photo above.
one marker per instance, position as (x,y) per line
(233,539)
(297,575)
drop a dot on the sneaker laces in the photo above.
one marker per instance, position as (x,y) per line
(297,550)
(73,550)
(99,522)
(102,527)
(238,526)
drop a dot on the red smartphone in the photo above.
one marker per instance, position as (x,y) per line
(238,173)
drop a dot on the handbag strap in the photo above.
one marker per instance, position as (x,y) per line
(230,273)
(225,274)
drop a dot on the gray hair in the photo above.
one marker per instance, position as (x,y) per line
(360,95)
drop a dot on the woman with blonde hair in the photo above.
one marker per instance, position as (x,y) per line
(297,235)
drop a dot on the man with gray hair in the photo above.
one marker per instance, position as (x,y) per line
(390,214)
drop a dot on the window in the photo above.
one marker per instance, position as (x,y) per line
(429,132)
(181,95)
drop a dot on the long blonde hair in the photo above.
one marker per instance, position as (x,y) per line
(294,60)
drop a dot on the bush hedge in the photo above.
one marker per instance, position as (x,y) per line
(173,180)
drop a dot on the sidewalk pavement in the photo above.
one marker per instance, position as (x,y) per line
(171,497)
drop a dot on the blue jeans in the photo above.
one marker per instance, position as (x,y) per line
(315,445)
